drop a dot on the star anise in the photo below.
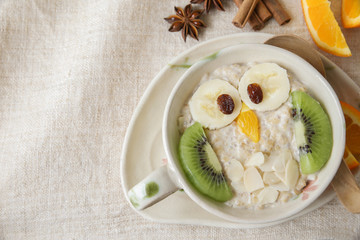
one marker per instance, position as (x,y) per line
(208,3)
(186,20)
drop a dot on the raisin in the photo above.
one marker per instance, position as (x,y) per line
(226,103)
(255,93)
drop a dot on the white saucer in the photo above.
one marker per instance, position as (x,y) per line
(143,149)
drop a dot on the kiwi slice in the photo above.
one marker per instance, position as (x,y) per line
(201,165)
(313,132)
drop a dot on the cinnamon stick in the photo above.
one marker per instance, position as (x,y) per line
(262,11)
(255,21)
(245,11)
(279,13)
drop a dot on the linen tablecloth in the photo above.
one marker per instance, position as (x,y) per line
(71,75)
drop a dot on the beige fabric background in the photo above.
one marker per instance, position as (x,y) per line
(71,75)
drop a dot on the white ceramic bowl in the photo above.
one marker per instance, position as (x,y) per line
(304,72)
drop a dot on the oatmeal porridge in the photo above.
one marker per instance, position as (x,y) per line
(255,138)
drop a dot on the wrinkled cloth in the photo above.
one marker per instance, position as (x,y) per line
(71,75)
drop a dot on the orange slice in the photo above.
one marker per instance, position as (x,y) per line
(350,13)
(352,120)
(323,27)
(248,123)
(349,159)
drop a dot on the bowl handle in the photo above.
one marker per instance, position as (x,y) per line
(155,187)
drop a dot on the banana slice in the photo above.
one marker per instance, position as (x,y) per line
(274,86)
(215,104)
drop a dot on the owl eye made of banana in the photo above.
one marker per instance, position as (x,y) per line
(216,103)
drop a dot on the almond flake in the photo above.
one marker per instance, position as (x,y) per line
(235,170)
(256,159)
(268,195)
(252,179)
(291,173)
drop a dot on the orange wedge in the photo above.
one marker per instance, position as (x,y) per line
(349,159)
(248,123)
(350,13)
(323,27)
(352,120)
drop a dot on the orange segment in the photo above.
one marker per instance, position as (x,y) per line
(352,120)
(349,159)
(323,27)
(350,13)
(248,123)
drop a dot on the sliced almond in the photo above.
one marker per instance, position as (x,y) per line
(291,173)
(270,178)
(268,195)
(284,196)
(281,158)
(235,170)
(238,186)
(276,161)
(287,154)
(254,196)
(281,176)
(256,159)
(279,165)
(268,165)
(252,179)
(280,186)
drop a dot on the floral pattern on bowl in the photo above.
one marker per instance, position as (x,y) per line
(310,186)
